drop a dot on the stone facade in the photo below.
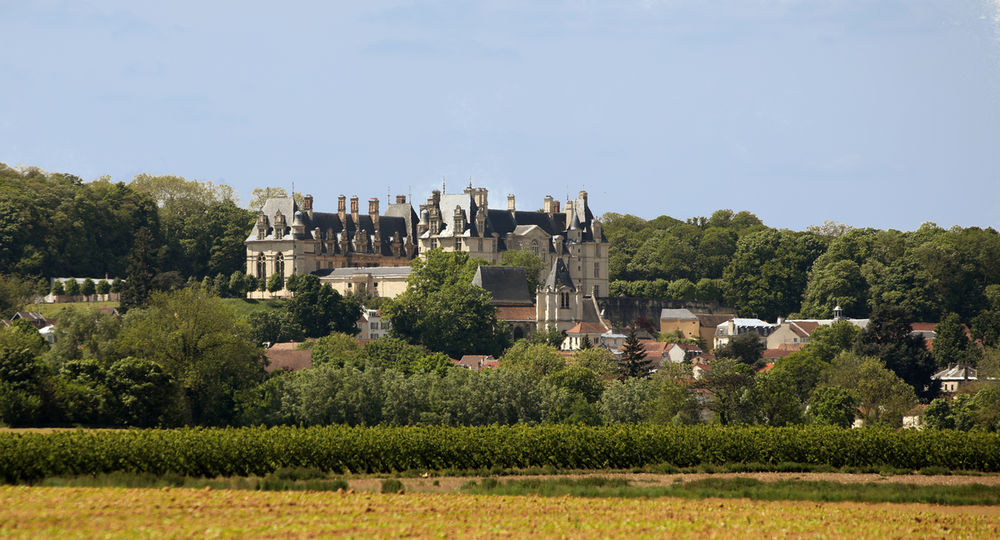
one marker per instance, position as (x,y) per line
(288,240)
(464,222)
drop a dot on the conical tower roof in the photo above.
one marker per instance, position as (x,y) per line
(559,276)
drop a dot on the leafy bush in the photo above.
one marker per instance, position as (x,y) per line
(260,451)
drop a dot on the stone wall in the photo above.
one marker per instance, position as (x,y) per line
(622,310)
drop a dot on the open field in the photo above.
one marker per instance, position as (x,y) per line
(27,512)
(52,310)
(246,306)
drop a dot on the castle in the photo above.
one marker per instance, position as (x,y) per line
(316,242)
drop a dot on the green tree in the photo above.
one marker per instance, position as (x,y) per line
(633,362)
(139,280)
(274,326)
(202,345)
(73,287)
(443,311)
(889,337)
(537,360)
(319,309)
(275,283)
(597,359)
(578,380)
(103,287)
(832,406)
(826,342)
(220,286)
(533,265)
(627,402)
(951,344)
(84,333)
(882,397)
(58,289)
(88,288)
(745,348)
(238,284)
(803,369)
(767,274)
(551,336)
(773,400)
(142,392)
(727,384)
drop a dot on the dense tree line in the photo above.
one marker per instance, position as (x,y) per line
(54,224)
(763,272)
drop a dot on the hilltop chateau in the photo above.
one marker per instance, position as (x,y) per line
(287,239)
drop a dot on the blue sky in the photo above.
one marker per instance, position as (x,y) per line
(881,113)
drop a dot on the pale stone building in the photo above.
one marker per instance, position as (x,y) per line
(288,240)
(464,222)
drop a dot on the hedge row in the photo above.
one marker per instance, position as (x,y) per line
(258,451)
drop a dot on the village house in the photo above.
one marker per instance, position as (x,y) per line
(955,377)
(371,324)
(682,352)
(739,326)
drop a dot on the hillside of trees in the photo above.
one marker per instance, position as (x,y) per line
(57,225)
(733,258)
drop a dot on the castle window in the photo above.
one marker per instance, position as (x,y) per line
(534,247)
(597,269)
(279,267)
(564,300)
(261,266)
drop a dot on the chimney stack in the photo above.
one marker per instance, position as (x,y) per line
(307,205)
(547,204)
(510,203)
(555,207)
(354,208)
(373,206)
(400,199)
(342,207)
(459,221)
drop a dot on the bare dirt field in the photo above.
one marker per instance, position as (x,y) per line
(33,512)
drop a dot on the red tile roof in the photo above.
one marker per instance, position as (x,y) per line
(587,328)
(516,313)
(923,326)
(771,354)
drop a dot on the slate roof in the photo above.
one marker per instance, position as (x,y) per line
(957,372)
(400,220)
(559,276)
(509,284)
(375,271)
(682,314)
(713,319)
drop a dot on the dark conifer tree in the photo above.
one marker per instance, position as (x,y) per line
(139,280)
(633,362)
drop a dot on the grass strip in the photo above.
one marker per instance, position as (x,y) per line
(748,488)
